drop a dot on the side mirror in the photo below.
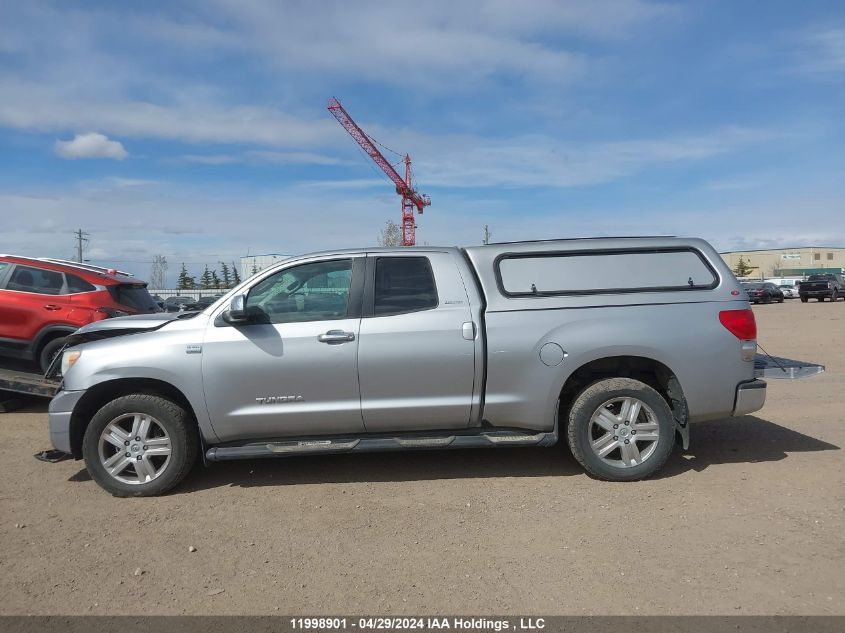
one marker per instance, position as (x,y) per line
(237,310)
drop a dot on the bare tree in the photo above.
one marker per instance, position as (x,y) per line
(390,235)
(487,234)
(158,272)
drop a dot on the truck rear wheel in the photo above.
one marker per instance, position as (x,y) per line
(140,445)
(620,429)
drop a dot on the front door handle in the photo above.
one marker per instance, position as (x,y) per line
(52,306)
(336,336)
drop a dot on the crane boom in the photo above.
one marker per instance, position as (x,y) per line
(411,200)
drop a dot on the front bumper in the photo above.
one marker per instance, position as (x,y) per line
(59,414)
(750,397)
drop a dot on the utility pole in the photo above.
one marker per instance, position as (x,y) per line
(487,235)
(81,239)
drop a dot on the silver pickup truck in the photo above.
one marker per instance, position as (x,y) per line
(614,344)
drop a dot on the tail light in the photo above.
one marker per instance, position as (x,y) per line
(740,323)
(829,285)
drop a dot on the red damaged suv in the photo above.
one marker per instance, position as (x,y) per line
(44,300)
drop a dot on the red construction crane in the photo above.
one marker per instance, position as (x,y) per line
(410,198)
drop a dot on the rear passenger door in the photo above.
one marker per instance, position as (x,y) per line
(32,299)
(415,363)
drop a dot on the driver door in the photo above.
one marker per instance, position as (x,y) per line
(292,369)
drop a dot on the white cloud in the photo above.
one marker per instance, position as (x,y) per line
(533,161)
(437,45)
(255,157)
(90,145)
(38,107)
(821,50)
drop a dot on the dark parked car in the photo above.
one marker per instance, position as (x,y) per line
(763,292)
(176,304)
(202,303)
(821,286)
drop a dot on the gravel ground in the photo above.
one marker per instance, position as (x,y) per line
(749,521)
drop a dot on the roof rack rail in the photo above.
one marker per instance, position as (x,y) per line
(583,239)
(90,267)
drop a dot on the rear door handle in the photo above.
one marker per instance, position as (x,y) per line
(336,336)
(52,306)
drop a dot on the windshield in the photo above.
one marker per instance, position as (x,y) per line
(134,296)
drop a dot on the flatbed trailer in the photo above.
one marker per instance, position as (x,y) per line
(15,381)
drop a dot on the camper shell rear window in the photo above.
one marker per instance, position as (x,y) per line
(615,271)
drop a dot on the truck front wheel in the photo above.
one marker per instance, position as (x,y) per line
(620,429)
(140,445)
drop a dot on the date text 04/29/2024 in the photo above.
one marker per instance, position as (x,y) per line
(417,623)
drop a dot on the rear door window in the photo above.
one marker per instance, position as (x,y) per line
(36,280)
(76,284)
(403,284)
(604,272)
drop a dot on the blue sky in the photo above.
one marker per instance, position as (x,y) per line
(198,130)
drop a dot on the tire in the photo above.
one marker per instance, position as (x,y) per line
(834,296)
(49,351)
(169,427)
(804,299)
(583,431)
(780,300)
(821,299)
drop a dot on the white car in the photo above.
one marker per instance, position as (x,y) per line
(789,292)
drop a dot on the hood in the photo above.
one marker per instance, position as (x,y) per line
(119,326)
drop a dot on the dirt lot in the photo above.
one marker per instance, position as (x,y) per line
(749,521)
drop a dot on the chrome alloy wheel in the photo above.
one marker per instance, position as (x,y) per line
(134,448)
(624,432)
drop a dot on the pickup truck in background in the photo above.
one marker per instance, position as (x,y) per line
(614,345)
(821,286)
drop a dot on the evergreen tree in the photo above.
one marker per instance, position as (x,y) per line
(236,278)
(743,268)
(206,280)
(186,281)
(215,280)
(254,268)
(227,277)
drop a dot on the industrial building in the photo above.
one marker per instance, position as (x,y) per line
(251,264)
(789,262)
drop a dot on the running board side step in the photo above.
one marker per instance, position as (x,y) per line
(321,446)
